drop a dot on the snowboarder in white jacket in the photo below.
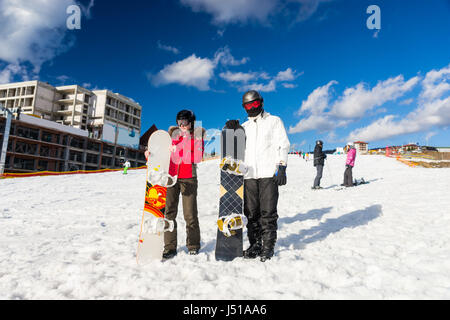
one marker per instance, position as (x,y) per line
(266,153)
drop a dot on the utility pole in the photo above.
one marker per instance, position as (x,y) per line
(9,114)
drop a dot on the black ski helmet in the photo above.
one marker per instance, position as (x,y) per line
(319,142)
(251,96)
(186,115)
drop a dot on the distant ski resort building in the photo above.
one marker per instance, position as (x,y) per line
(361,147)
(69,128)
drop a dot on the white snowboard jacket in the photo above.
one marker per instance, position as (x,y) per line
(267,145)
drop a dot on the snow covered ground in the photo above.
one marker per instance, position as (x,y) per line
(75,237)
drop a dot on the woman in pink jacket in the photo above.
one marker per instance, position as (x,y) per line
(349,164)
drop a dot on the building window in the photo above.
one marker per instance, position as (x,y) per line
(76,156)
(77,143)
(93,146)
(91,158)
(28,133)
(44,151)
(26,164)
(42,165)
(25,148)
(120,152)
(47,136)
(108,149)
(106,161)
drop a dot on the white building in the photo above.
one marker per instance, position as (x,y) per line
(105,115)
(361,147)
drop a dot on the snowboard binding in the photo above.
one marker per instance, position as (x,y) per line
(161,178)
(158,225)
(230,223)
(233,166)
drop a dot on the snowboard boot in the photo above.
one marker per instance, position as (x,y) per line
(253,251)
(193,252)
(266,254)
(169,254)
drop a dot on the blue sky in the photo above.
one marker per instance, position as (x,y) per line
(315,62)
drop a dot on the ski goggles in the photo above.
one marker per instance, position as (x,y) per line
(252,105)
(183,123)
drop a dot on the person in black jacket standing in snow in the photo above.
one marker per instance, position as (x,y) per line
(266,154)
(319,162)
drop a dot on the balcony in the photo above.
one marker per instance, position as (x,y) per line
(66,101)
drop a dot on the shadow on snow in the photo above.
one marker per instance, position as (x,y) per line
(350,220)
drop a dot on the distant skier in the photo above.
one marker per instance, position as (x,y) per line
(126,165)
(319,162)
(349,164)
(266,154)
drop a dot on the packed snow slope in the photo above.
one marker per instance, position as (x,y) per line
(75,237)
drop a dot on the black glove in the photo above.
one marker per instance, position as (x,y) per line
(232,124)
(280,175)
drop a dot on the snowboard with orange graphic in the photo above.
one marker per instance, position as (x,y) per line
(154,223)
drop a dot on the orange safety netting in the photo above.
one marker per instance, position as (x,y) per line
(52,173)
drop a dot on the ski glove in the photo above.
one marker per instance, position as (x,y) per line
(280,175)
(232,124)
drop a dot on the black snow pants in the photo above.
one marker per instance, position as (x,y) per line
(348,176)
(260,208)
(318,176)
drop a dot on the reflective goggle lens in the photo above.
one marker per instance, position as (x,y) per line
(183,123)
(252,105)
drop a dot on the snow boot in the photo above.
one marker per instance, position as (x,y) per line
(169,254)
(253,251)
(266,254)
(193,252)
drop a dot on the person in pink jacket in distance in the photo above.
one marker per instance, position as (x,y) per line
(349,164)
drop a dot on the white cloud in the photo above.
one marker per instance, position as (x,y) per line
(239,76)
(196,72)
(32,31)
(356,101)
(429,135)
(318,100)
(289,85)
(313,122)
(168,48)
(240,11)
(287,75)
(10,71)
(433,111)
(271,85)
(406,102)
(232,11)
(224,57)
(268,87)
(436,83)
(307,8)
(429,115)
(433,108)
(192,71)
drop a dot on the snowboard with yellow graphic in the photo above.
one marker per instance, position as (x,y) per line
(154,223)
